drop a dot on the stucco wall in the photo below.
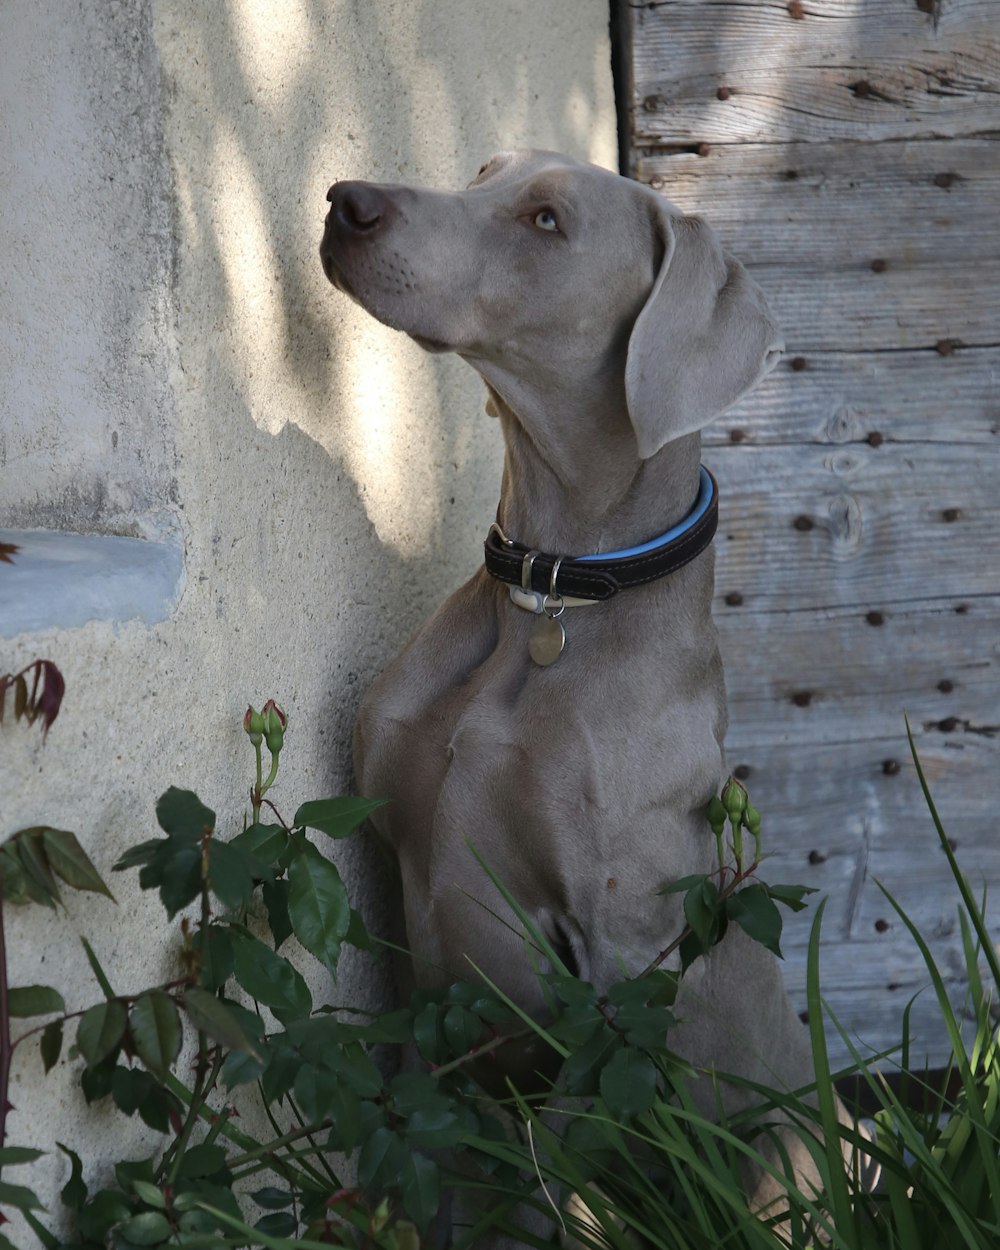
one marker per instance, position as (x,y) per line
(330,483)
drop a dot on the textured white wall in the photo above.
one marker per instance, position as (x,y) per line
(331,483)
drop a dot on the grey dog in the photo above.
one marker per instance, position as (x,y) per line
(609,328)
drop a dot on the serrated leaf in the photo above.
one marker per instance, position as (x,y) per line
(203,1160)
(270,979)
(682,884)
(217,959)
(178,875)
(757,915)
(107,1208)
(150,1194)
(337,818)
(277,1224)
(380,1158)
(700,907)
(272,1199)
(70,861)
(149,1228)
(275,895)
(628,1083)
(129,1087)
(318,906)
(461,1029)
(34,1000)
(791,896)
(51,1044)
(100,1030)
(266,843)
(211,1015)
(138,855)
(420,1188)
(31,852)
(583,1067)
(74,1192)
(183,816)
(232,873)
(156,1030)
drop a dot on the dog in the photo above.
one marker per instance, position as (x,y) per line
(565,709)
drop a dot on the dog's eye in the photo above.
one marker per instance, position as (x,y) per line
(546,220)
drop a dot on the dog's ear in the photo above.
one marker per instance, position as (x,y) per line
(703,338)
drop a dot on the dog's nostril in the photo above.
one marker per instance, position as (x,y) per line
(359,206)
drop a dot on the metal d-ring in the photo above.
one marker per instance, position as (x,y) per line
(526,563)
(495,528)
(553,604)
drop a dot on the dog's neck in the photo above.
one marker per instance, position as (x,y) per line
(583,495)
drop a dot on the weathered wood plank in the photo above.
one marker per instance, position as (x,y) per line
(888,397)
(841,204)
(855,309)
(818,675)
(835,819)
(862,70)
(856,525)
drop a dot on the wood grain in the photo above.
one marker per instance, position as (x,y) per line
(873,70)
(850,159)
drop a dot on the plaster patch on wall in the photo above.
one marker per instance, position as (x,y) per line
(62,581)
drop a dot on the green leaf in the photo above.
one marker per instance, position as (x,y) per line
(156,1028)
(275,894)
(628,1083)
(100,1030)
(203,1160)
(380,1159)
(136,856)
(278,1224)
(232,873)
(790,895)
(217,960)
(357,933)
(583,1067)
(97,970)
(266,843)
(150,1228)
(270,978)
(421,1188)
(178,875)
(434,1127)
(51,1044)
(96,1082)
(130,1087)
(31,850)
(183,816)
(337,818)
(19,1196)
(700,910)
(428,1033)
(11,1156)
(34,1000)
(757,916)
(682,884)
(211,1015)
(74,1192)
(107,1208)
(272,1199)
(150,1194)
(318,906)
(462,1029)
(69,860)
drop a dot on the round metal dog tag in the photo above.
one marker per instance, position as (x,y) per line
(547,641)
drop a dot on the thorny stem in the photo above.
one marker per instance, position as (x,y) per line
(314,1173)
(487,1048)
(738,878)
(321,1158)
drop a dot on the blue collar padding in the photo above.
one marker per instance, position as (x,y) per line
(692,519)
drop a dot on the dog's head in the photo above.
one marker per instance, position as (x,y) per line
(544,270)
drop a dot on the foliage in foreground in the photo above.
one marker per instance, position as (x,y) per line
(361,1153)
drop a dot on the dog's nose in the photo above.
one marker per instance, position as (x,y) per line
(358,207)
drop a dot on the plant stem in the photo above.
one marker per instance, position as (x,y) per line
(5,1046)
(256,792)
(270,1147)
(321,1159)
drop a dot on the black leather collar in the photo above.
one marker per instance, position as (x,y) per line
(600,577)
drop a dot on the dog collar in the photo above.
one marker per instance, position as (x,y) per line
(541,576)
